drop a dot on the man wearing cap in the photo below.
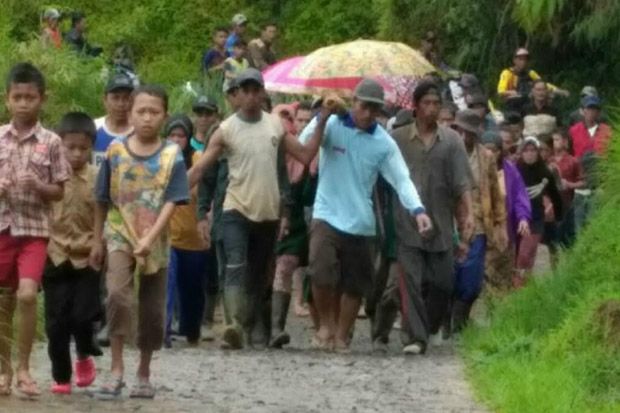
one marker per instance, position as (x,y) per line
(260,51)
(51,33)
(515,83)
(239,24)
(354,151)
(541,102)
(489,212)
(115,124)
(591,138)
(205,121)
(253,141)
(478,103)
(437,161)
(577,115)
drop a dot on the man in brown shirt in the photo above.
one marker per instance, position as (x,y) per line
(438,164)
(260,51)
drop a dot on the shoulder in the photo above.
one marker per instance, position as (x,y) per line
(100,122)
(449,136)
(49,137)
(506,72)
(4,130)
(403,132)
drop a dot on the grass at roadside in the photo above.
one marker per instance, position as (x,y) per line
(555,345)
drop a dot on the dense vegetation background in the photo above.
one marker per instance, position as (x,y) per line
(572,41)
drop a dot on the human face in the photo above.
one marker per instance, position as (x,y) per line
(251,97)
(233,99)
(539,92)
(220,38)
(559,143)
(240,29)
(204,119)
(520,63)
(428,108)
(529,154)
(591,115)
(147,116)
(446,117)
(238,52)
(178,136)
(364,113)
(78,148)
(24,102)
(545,152)
(270,33)
(117,104)
(52,23)
(302,119)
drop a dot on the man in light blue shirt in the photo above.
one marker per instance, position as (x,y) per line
(354,151)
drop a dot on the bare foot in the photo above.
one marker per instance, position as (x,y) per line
(5,384)
(301,310)
(26,384)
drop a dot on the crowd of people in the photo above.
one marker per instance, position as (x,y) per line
(404,211)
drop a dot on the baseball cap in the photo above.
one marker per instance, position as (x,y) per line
(118,82)
(250,75)
(468,120)
(205,103)
(589,91)
(468,80)
(522,51)
(239,19)
(370,91)
(51,14)
(591,102)
(231,86)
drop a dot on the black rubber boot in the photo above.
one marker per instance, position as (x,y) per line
(279,312)
(234,300)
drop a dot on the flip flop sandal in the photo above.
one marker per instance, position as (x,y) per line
(144,390)
(28,388)
(5,385)
(110,391)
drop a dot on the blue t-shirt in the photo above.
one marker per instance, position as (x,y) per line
(102,141)
(230,42)
(213,57)
(349,164)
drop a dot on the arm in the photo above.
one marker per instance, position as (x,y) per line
(47,192)
(209,157)
(395,171)
(498,204)
(144,244)
(206,191)
(256,56)
(554,194)
(60,172)
(504,83)
(463,216)
(305,153)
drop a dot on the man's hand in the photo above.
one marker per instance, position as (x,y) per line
(285,226)
(524,228)
(462,250)
(143,249)
(5,184)
(425,224)
(204,230)
(97,254)
(29,181)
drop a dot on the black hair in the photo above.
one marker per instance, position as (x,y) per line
(537,81)
(220,29)
(304,105)
(546,139)
(424,88)
(151,90)
(268,24)
(77,122)
(240,43)
(25,73)
(76,18)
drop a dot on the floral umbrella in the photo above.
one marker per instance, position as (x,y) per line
(340,68)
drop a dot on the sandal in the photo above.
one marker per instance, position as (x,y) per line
(28,388)
(5,384)
(110,391)
(142,390)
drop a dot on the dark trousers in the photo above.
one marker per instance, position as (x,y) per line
(72,304)
(249,249)
(425,285)
(187,277)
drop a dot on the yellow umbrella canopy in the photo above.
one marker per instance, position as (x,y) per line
(363,58)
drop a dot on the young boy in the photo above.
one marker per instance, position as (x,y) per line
(141,180)
(213,58)
(236,64)
(32,174)
(71,287)
(115,123)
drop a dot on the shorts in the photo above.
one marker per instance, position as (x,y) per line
(21,258)
(339,260)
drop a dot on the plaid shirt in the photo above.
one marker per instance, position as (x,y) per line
(22,211)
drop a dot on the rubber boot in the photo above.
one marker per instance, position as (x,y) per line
(279,311)
(210,304)
(460,315)
(234,300)
(7,310)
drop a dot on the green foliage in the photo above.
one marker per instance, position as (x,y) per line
(550,347)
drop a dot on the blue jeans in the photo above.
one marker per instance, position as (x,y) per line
(187,276)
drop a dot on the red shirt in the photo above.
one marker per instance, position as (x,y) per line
(570,170)
(583,142)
